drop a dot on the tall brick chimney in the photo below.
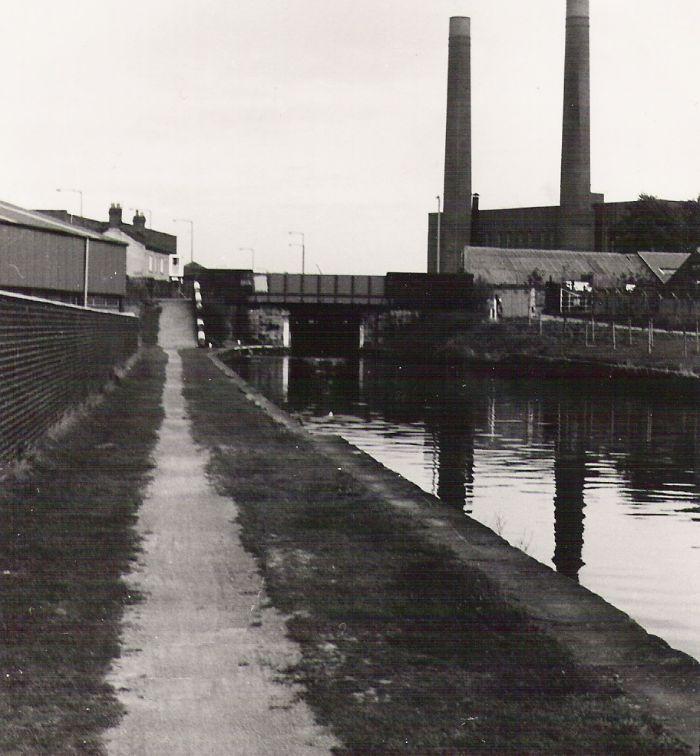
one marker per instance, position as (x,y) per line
(457,198)
(576,222)
(115,215)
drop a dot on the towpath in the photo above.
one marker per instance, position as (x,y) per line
(201,652)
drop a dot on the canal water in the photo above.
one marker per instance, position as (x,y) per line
(601,483)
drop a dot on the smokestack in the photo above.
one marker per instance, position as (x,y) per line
(458,144)
(576,227)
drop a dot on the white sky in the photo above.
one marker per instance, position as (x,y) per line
(257,117)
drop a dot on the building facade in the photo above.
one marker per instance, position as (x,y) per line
(151,255)
(44,257)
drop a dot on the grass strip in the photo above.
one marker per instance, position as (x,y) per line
(67,537)
(403,647)
(455,338)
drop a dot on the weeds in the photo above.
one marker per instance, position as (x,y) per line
(67,537)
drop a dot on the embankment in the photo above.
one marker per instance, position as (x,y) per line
(553,347)
(421,629)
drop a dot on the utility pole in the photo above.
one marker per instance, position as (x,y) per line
(439,220)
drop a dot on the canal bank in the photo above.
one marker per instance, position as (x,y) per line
(420,630)
(552,347)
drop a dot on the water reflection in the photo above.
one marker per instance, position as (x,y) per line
(569,482)
(603,484)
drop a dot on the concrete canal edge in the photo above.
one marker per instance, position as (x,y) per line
(665,682)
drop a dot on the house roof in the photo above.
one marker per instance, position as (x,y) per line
(664,264)
(156,241)
(516,266)
(19,216)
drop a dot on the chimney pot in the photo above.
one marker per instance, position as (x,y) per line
(115,215)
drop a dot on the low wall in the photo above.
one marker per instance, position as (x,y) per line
(52,357)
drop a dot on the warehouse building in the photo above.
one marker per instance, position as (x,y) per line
(519,276)
(44,257)
(151,257)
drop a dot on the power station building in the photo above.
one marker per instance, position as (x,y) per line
(582,221)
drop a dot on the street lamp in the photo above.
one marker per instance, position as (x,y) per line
(187,220)
(252,255)
(75,191)
(303,247)
(439,219)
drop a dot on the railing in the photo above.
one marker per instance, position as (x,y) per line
(52,357)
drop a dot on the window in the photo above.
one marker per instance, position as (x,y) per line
(150,264)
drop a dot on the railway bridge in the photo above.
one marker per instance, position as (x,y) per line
(316,313)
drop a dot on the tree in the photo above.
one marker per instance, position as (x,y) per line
(659,225)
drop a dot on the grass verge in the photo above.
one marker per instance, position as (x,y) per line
(403,647)
(454,339)
(67,538)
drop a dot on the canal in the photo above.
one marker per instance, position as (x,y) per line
(601,483)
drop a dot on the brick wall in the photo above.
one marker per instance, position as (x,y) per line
(52,356)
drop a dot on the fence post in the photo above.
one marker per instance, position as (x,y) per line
(629,331)
(614,340)
(685,342)
(650,339)
(697,337)
(540,324)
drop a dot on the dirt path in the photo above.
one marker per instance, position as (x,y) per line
(201,652)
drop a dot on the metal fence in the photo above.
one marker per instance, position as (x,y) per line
(52,357)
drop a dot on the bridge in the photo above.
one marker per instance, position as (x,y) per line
(316,313)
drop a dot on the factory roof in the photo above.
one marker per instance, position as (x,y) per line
(664,264)
(18,216)
(513,267)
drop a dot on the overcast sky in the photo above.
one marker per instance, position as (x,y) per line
(257,117)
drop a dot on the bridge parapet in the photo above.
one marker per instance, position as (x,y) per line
(294,288)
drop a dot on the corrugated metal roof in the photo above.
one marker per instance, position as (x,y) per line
(664,264)
(18,216)
(517,266)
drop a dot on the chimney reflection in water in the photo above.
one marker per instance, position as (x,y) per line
(453,433)
(569,479)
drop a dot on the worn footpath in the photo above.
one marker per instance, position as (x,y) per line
(202,651)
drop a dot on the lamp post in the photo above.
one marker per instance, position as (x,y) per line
(252,255)
(75,191)
(439,220)
(187,220)
(303,248)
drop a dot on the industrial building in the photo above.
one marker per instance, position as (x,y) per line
(44,257)
(151,255)
(519,277)
(583,221)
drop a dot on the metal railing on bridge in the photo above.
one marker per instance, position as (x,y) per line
(294,288)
